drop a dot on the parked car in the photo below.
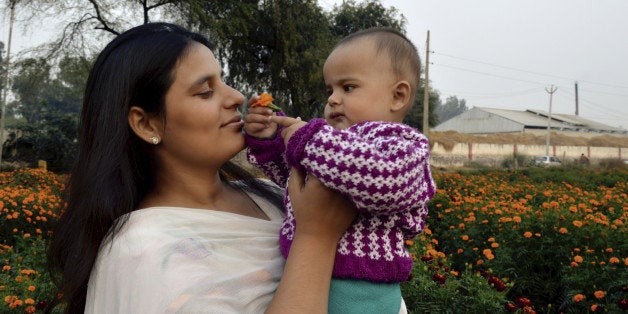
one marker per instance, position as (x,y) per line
(547,161)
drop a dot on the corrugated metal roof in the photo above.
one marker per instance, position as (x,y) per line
(536,119)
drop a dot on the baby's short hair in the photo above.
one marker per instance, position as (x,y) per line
(404,57)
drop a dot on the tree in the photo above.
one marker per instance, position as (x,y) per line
(452,107)
(46,111)
(350,17)
(415,115)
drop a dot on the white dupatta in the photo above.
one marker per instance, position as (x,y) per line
(185,260)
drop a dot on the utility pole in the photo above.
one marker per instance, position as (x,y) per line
(426,94)
(6,81)
(576,97)
(551,91)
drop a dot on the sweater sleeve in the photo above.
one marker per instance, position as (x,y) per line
(382,167)
(268,155)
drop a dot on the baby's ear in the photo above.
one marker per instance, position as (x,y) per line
(401,96)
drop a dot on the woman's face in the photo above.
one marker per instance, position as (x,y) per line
(203,126)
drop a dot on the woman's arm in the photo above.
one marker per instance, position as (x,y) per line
(322,216)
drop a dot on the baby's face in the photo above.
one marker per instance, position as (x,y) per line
(360,85)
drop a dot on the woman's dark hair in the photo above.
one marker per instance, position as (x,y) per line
(114,168)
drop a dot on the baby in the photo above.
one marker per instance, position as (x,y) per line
(363,150)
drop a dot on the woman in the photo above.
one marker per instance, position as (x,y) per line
(157,218)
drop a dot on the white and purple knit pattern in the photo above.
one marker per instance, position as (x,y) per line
(384,169)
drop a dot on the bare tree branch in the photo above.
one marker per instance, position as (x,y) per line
(99,18)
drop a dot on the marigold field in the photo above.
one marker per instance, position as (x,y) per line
(526,241)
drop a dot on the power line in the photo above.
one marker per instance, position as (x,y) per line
(489,74)
(526,71)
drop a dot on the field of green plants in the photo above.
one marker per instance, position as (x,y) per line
(526,241)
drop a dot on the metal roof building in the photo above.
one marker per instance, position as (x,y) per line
(480,120)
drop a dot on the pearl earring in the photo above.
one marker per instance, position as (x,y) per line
(155,140)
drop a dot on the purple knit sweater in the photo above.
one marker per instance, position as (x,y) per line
(382,167)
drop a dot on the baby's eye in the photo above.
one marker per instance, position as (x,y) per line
(348,88)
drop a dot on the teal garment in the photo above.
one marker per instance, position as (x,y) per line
(348,296)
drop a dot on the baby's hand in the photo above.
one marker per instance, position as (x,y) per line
(257,121)
(291,125)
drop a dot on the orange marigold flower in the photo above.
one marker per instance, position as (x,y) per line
(465,237)
(527,234)
(266,100)
(573,208)
(562,230)
(578,297)
(494,245)
(409,242)
(594,307)
(30,309)
(609,250)
(427,231)
(29,301)
(599,294)
(491,239)
(460,251)
(516,219)
(573,264)
(577,223)
(578,259)
(537,234)
(31,288)
(6,267)
(614,260)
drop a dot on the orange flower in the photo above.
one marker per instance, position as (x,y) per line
(494,245)
(562,230)
(31,288)
(266,100)
(6,267)
(29,301)
(577,223)
(527,234)
(465,237)
(593,307)
(578,297)
(409,242)
(599,294)
(578,259)
(614,260)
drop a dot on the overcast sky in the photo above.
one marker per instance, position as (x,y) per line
(505,53)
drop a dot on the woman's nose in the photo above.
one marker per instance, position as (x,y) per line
(235,98)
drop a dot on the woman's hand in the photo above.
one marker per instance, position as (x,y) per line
(322,217)
(318,210)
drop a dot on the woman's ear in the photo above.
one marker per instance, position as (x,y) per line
(401,96)
(144,125)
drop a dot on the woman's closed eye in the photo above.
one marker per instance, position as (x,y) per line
(205,94)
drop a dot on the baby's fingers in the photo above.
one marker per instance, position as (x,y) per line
(285,121)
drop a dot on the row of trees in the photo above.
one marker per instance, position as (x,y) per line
(277,46)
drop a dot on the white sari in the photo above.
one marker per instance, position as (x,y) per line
(186,260)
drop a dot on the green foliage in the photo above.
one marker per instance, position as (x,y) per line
(351,17)
(46,112)
(435,287)
(452,107)
(29,206)
(551,232)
